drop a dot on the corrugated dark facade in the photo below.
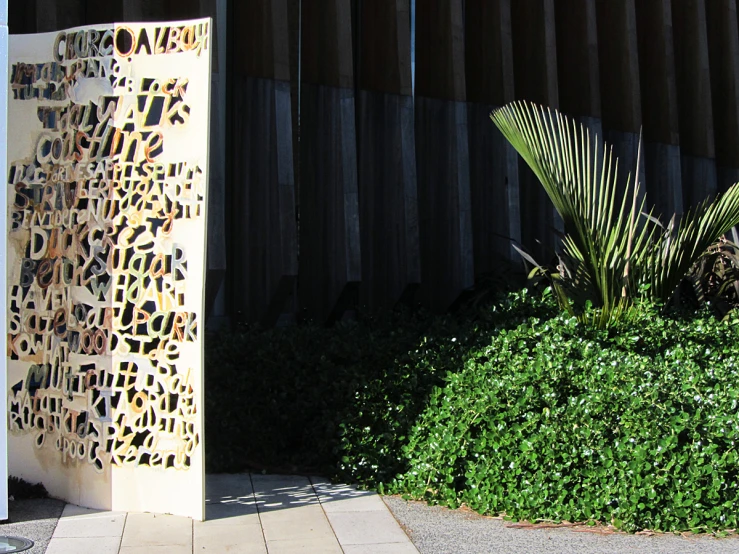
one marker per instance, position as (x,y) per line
(353,162)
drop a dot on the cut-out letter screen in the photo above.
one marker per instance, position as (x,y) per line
(106,188)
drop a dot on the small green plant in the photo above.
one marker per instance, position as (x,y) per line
(613,252)
(715,278)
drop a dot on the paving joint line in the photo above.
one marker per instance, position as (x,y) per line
(403,528)
(259,513)
(56,524)
(123,530)
(325,514)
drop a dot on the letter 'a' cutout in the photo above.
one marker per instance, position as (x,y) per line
(106,185)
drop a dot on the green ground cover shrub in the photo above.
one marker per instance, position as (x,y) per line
(636,426)
(513,408)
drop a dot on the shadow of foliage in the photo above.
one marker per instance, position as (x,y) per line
(338,401)
(20,489)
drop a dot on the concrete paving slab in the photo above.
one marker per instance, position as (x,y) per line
(229,499)
(304,546)
(277,492)
(231,514)
(170,549)
(287,518)
(261,482)
(149,530)
(227,486)
(217,539)
(345,498)
(366,528)
(77,522)
(391,548)
(304,523)
(90,545)
(71,510)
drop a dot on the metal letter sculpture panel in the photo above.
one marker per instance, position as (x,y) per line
(108,149)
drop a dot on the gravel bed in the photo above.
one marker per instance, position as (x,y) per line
(437,530)
(33,519)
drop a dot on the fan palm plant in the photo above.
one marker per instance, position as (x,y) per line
(613,252)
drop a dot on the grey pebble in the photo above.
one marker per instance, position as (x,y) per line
(33,519)
(437,530)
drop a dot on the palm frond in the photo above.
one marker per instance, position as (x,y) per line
(612,246)
(579,176)
(679,249)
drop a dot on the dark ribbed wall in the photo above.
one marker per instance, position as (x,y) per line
(380,193)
